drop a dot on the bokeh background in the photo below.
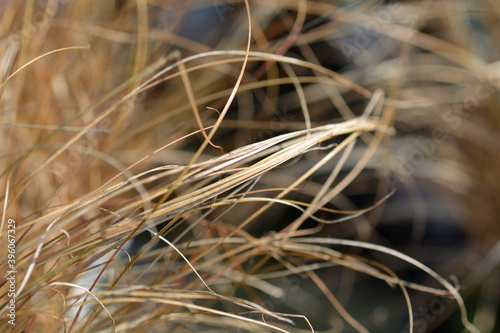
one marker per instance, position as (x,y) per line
(435,63)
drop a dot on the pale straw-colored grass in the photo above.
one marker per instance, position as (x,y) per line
(240,155)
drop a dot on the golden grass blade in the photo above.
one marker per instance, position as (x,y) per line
(453,291)
(89,293)
(380,115)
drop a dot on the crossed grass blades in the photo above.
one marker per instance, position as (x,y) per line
(111,126)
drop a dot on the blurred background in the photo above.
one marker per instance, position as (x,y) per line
(435,62)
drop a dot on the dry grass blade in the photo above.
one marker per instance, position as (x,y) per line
(249,166)
(289,150)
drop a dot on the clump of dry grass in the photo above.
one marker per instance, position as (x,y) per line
(187,166)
